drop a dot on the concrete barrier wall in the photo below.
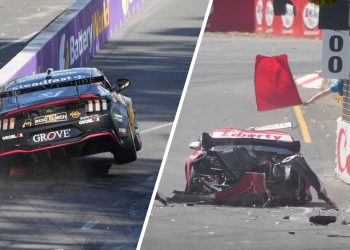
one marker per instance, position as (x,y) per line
(73,38)
(258,16)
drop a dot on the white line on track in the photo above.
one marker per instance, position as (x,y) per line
(90,224)
(156,128)
(172,132)
(27,37)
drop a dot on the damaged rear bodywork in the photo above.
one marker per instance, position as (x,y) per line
(245,167)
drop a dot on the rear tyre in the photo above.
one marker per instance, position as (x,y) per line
(137,140)
(127,152)
(137,135)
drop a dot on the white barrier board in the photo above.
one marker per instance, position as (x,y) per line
(342,170)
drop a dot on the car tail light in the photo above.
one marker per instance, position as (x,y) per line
(96,105)
(12,123)
(104,104)
(7,124)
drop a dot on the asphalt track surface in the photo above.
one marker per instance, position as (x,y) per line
(20,20)
(221,94)
(68,208)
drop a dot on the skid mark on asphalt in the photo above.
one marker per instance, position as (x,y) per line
(303,125)
(90,224)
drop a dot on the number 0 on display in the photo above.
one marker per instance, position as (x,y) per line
(335,59)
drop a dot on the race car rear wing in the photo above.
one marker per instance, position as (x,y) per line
(48,85)
(209,142)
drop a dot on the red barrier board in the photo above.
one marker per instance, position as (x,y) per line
(232,15)
(301,20)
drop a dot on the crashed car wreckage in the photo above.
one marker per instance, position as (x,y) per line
(246,167)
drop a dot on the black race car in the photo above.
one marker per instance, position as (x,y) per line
(67,113)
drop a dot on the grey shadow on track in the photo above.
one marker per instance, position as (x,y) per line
(157,77)
(179,32)
(64,200)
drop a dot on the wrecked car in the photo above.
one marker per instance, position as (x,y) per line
(246,167)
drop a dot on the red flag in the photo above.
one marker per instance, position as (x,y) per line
(274,83)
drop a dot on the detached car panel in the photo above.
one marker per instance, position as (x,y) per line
(66,113)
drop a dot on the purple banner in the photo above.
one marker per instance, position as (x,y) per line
(79,39)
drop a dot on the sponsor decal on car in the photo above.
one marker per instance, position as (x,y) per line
(11,137)
(50,110)
(52,136)
(47,82)
(59,117)
(122,132)
(75,114)
(89,119)
(118,117)
(268,135)
(27,123)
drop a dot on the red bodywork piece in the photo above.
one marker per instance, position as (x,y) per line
(251,184)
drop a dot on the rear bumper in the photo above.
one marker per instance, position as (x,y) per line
(77,144)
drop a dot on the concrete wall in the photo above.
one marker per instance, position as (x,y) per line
(73,38)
